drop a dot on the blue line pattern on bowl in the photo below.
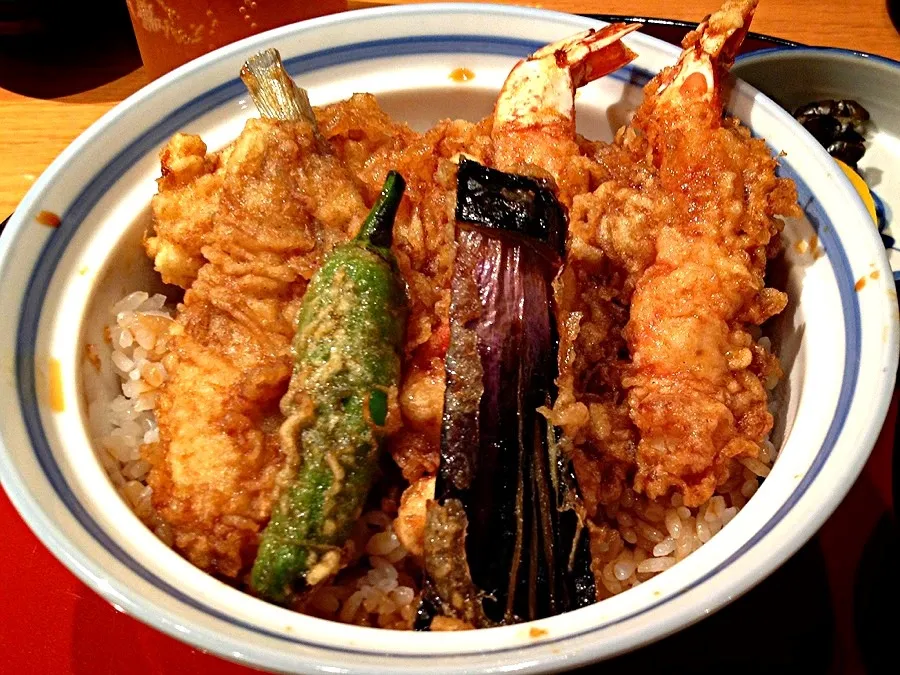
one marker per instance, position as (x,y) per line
(806,48)
(109,174)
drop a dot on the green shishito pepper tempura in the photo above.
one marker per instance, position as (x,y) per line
(350,327)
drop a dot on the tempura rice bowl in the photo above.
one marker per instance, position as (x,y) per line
(838,345)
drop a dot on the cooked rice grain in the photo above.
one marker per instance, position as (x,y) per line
(650,536)
(381,590)
(136,330)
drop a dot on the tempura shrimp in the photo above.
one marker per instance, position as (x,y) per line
(696,381)
(534,117)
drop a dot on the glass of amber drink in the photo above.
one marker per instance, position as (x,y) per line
(172,32)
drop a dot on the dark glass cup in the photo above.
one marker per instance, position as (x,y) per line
(52,48)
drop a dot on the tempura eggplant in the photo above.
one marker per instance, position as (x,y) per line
(504,540)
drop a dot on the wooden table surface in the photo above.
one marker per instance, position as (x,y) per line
(34,130)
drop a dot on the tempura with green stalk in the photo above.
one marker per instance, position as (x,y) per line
(349,332)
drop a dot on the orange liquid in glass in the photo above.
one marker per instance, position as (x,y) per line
(172,32)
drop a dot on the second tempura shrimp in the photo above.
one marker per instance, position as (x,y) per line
(689,232)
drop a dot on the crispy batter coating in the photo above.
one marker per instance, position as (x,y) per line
(696,382)
(592,302)
(282,205)
(660,377)
(660,380)
(279,207)
(184,207)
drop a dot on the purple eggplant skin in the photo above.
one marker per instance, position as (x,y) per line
(485,447)
(511,203)
(511,493)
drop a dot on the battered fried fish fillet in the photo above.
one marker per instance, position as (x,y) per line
(282,204)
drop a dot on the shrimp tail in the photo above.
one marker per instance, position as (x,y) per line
(592,54)
(708,53)
(540,90)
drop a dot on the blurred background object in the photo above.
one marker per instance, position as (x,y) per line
(52,48)
(17,17)
(172,32)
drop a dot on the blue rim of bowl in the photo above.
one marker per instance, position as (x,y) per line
(877,58)
(30,313)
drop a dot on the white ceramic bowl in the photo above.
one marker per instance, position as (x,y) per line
(840,346)
(795,76)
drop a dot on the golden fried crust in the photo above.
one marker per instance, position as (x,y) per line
(694,388)
(370,144)
(282,206)
(592,295)
(666,265)
(183,208)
